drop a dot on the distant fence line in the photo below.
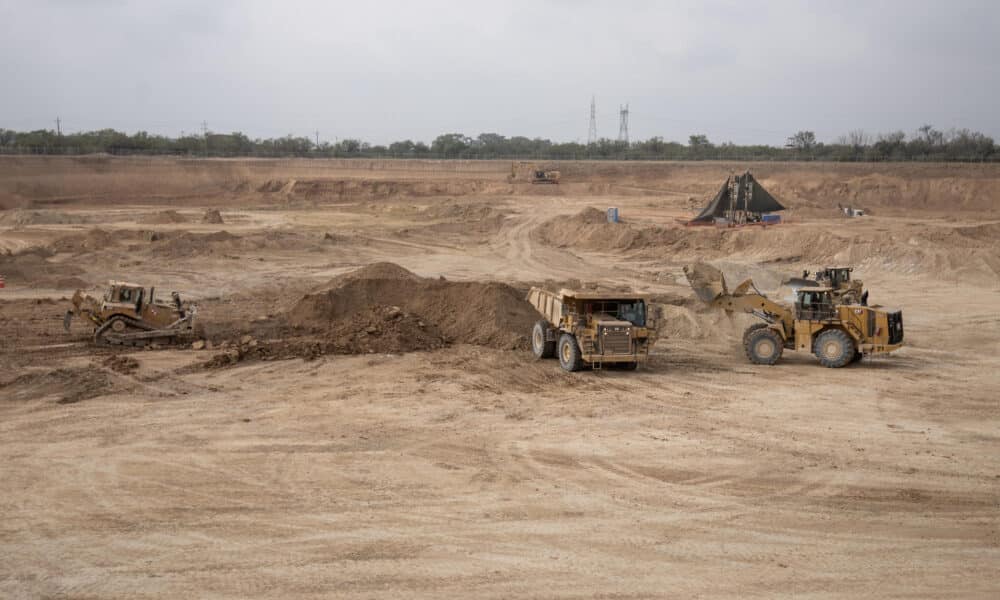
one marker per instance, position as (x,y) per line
(727,155)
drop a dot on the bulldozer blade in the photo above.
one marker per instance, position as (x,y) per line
(707,282)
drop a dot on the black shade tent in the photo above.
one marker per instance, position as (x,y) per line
(741,195)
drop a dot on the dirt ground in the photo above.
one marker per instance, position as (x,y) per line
(368,422)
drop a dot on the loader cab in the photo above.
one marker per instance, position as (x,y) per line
(814,304)
(834,276)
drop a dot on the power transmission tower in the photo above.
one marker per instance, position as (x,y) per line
(58,126)
(623,124)
(592,133)
(204,133)
(317,139)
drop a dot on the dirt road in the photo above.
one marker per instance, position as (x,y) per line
(473,470)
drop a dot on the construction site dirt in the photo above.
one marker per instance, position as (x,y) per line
(363,416)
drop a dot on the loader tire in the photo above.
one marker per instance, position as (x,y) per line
(751,329)
(763,346)
(541,347)
(834,348)
(569,353)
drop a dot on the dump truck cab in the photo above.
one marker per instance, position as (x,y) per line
(592,329)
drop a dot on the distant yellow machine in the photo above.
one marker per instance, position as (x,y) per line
(837,332)
(525,171)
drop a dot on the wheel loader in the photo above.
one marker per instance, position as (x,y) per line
(592,330)
(838,333)
(130,315)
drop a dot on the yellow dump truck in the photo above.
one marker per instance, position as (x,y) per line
(595,330)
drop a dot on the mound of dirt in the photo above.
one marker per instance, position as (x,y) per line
(90,241)
(212,216)
(164,217)
(33,267)
(21,218)
(69,384)
(489,314)
(183,244)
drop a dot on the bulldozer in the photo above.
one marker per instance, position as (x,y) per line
(837,332)
(531,172)
(592,330)
(131,315)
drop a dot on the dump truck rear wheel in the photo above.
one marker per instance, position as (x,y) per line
(763,346)
(569,353)
(834,348)
(540,346)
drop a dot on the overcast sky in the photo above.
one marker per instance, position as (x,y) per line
(741,71)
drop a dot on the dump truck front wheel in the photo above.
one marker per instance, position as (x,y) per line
(541,346)
(569,353)
(763,346)
(834,348)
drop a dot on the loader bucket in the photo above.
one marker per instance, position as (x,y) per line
(707,282)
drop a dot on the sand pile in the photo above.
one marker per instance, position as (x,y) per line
(183,244)
(212,216)
(68,385)
(489,314)
(21,218)
(89,241)
(590,230)
(164,217)
(33,267)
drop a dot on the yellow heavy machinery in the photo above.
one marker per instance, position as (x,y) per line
(524,171)
(838,333)
(845,289)
(130,315)
(592,329)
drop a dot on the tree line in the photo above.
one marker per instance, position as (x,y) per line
(925,144)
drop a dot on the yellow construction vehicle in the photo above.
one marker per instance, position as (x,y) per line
(524,171)
(592,329)
(130,315)
(837,333)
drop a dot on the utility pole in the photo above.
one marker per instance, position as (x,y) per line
(204,133)
(317,139)
(58,126)
(592,133)
(623,124)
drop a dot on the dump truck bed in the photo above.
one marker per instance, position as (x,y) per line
(548,304)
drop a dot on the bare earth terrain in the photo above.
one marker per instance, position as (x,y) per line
(367,420)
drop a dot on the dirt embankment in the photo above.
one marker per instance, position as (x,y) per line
(965,253)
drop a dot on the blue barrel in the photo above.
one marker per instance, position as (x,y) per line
(613,214)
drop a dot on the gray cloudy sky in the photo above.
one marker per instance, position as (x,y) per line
(747,72)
